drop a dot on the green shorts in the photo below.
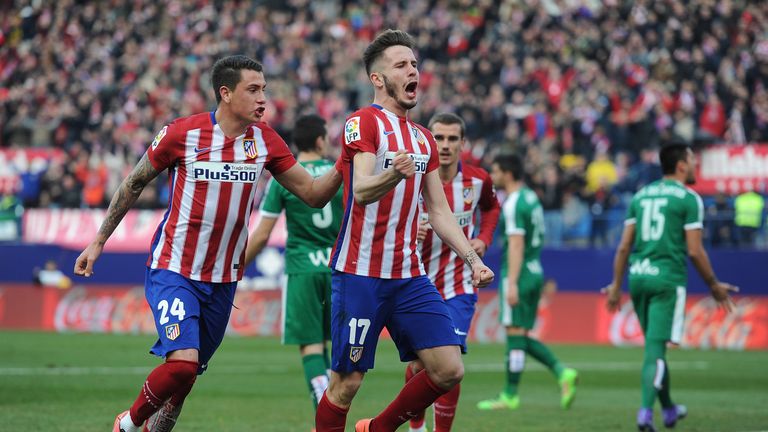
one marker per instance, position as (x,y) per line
(524,313)
(307,309)
(660,310)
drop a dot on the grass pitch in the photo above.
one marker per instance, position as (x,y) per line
(79,382)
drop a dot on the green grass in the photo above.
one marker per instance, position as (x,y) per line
(78,382)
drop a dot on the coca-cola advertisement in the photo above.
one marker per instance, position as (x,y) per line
(732,169)
(564,317)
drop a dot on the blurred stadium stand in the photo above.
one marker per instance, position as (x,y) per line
(586,90)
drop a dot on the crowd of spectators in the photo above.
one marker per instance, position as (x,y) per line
(587,90)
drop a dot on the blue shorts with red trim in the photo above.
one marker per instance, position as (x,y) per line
(188,313)
(361,307)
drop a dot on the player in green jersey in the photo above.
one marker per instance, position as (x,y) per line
(521,284)
(311,235)
(663,226)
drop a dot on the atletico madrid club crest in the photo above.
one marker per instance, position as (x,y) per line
(249,145)
(468,194)
(172,331)
(355,353)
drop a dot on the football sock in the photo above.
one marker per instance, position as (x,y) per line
(329,417)
(417,422)
(127,425)
(540,352)
(515,363)
(162,383)
(664,394)
(314,373)
(654,367)
(417,394)
(445,409)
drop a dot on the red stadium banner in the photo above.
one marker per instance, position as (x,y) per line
(732,169)
(75,228)
(574,318)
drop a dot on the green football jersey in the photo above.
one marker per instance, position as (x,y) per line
(311,232)
(522,214)
(661,212)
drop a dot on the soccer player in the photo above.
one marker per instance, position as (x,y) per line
(196,256)
(311,234)
(521,284)
(388,162)
(467,189)
(664,223)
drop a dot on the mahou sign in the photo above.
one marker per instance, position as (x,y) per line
(732,169)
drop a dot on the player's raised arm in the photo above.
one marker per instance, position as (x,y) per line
(123,199)
(315,192)
(613,291)
(444,223)
(369,187)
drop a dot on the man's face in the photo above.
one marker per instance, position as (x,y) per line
(397,69)
(449,142)
(690,176)
(248,100)
(497,176)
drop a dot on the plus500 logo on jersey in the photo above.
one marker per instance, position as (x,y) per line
(420,160)
(226,172)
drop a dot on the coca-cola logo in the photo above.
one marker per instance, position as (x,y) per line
(706,325)
(256,314)
(79,311)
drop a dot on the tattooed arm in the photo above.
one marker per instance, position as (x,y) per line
(444,223)
(123,199)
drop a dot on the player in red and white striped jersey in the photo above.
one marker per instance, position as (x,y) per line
(469,191)
(214,161)
(378,280)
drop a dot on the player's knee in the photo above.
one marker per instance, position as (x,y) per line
(182,371)
(416,366)
(448,375)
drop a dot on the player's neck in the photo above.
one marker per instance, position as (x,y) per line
(448,172)
(390,105)
(304,156)
(229,124)
(673,177)
(513,187)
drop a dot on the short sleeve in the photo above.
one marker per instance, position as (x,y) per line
(164,150)
(513,218)
(360,133)
(694,211)
(279,156)
(631,218)
(272,204)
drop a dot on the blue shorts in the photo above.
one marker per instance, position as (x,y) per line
(188,313)
(462,309)
(411,309)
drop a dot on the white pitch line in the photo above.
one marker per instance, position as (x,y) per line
(470,367)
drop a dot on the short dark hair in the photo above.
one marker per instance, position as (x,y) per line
(448,118)
(670,155)
(511,163)
(383,41)
(226,72)
(306,131)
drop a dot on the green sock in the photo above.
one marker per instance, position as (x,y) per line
(314,373)
(515,363)
(540,352)
(664,395)
(654,366)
